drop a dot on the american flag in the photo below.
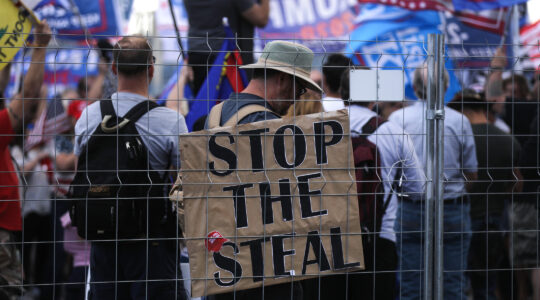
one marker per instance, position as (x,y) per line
(530,39)
(447,5)
(52,121)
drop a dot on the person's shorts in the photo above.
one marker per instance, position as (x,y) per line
(523,218)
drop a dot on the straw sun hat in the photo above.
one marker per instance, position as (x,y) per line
(287,57)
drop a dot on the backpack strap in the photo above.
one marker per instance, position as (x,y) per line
(137,111)
(214,118)
(244,112)
(372,125)
(134,114)
(107,108)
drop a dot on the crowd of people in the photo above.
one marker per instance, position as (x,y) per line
(490,172)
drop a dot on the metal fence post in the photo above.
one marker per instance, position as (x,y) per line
(433,235)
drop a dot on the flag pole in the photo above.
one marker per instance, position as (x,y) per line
(178,38)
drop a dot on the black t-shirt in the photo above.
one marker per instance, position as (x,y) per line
(206,17)
(519,114)
(497,153)
(529,164)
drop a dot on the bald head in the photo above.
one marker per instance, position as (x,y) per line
(132,56)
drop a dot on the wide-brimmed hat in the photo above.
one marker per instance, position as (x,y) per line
(287,57)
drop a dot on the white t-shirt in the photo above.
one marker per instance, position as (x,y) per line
(396,148)
(332,103)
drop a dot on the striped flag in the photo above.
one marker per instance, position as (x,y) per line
(530,40)
(447,5)
(52,121)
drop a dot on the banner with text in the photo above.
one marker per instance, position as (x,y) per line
(270,202)
(321,25)
(15,27)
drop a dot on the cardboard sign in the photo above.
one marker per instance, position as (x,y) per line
(15,27)
(270,202)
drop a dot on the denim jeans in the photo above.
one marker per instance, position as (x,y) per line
(410,245)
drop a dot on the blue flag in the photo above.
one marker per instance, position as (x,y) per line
(99,17)
(224,77)
(390,37)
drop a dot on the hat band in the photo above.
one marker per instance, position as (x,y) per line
(270,63)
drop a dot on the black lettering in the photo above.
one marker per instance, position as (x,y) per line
(267,199)
(337,250)
(2,52)
(9,41)
(299,146)
(222,153)
(279,254)
(239,198)
(22,16)
(227,264)
(320,139)
(257,262)
(314,240)
(305,196)
(255,141)
(19,26)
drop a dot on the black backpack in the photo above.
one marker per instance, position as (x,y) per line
(115,193)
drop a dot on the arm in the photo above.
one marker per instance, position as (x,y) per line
(66,161)
(4,79)
(176,100)
(494,88)
(471,177)
(24,104)
(258,13)
(517,185)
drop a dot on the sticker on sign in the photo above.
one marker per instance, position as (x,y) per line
(376,85)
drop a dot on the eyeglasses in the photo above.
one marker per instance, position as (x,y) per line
(300,89)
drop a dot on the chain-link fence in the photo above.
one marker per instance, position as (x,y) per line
(391,172)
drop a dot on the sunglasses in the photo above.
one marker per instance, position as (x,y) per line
(300,89)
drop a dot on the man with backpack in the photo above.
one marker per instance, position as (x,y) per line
(280,76)
(382,153)
(126,146)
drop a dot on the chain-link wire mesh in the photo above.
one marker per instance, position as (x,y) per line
(450,189)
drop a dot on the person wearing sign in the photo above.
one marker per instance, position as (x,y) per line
(147,267)
(460,170)
(20,111)
(280,76)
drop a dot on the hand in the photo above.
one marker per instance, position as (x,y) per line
(499,59)
(103,67)
(42,155)
(42,34)
(187,72)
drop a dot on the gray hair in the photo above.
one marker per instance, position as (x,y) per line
(420,81)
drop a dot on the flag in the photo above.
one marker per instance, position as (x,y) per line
(97,16)
(322,26)
(63,69)
(15,26)
(52,121)
(390,37)
(530,39)
(224,77)
(447,5)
